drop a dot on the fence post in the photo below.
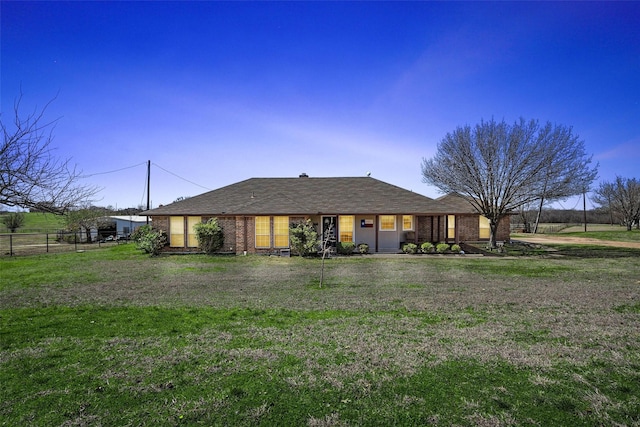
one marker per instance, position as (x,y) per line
(10,244)
(47,242)
(75,240)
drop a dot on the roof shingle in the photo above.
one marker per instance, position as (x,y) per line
(306,196)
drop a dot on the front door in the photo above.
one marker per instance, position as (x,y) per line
(329,232)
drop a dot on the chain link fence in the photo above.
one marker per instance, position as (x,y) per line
(16,244)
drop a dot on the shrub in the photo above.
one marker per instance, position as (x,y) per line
(442,248)
(426,247)
(13,220)
(149,240)
(456,248)
(410,248)
(346,248)
(303,238)
(363,248)
(210,236)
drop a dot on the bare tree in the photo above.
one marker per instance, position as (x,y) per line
(326,248)
(622,198)
(30,175)
(501,167)
(85,219)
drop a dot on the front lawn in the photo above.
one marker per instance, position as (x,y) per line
(113,337)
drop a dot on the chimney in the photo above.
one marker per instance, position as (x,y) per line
(303,175)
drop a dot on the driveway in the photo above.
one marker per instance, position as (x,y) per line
(542,239)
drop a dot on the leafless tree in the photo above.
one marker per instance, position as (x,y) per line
(622,198)
(30,175)
(501,167)
(326,247)
(85,219)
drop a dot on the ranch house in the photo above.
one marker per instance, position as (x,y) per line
(256,214)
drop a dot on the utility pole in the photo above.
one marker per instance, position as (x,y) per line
(149,188)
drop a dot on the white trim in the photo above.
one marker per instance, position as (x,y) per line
(395,223)
(353,229)
(413,223)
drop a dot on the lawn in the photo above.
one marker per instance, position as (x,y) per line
(38,223)
(615,233)
(113,337)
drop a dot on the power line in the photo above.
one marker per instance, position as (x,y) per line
(112,171)
(178,176)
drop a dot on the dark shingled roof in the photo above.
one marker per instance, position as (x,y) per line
(460,203)
(306,196)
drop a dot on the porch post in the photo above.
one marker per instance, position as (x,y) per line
(376,225)
(431,229)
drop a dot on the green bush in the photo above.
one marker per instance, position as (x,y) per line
(456,249)
(346,248)
(410,248)
(426,247)
(210,236)
(363,248)
(13,221)
(442,248)
(149,240)
(304,238)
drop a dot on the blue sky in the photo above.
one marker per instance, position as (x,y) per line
(213,92)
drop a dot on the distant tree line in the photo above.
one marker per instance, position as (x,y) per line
(563,216)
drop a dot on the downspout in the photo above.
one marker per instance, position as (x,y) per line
(245,236)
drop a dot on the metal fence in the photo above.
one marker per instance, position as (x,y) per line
(15,244)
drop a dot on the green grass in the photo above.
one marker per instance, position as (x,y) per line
(38,223)
(620,235)
(113,337)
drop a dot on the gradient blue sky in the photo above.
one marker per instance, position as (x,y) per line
(216,93)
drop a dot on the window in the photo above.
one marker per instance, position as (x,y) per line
(387,223)
(192,240)
(485,230)
(281,231)
(407,222)
(345,227)
(451,226)
(263,232)
(176,231)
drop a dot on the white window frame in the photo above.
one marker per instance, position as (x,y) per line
(395,223)
(413,225)
(353,228)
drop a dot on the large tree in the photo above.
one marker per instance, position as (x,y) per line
(500,167)
(622,198)
(31,176)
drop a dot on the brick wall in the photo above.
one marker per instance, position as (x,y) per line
(228,224)
(160,223)
(427,233)
(468,228)
(504,229)
(250,232)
